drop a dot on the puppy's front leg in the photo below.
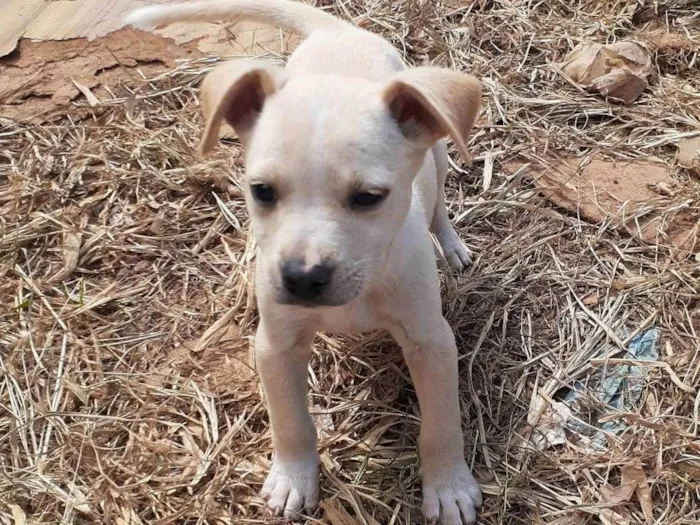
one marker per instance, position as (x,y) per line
(450,492)
(282,358)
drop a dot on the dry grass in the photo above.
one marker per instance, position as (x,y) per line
(126,389)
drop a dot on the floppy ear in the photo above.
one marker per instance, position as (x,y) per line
(430,103)
(236,92)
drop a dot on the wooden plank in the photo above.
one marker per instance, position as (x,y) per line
(16,16)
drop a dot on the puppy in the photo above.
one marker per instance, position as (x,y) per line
(345,169)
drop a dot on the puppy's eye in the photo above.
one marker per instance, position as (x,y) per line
(367,199)
(263,193)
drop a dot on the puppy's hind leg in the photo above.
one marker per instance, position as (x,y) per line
(456,252)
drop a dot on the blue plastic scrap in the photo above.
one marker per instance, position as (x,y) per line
(619,387)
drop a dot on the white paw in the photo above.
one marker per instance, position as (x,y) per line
(457,254)
(451,496)
(292,487)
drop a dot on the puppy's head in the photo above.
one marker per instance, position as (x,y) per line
(330,163)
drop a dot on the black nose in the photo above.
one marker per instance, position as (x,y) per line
(305,284)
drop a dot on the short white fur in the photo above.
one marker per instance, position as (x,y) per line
(345,113)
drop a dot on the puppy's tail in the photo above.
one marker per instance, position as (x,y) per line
(295,17)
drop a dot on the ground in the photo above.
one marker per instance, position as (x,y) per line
(127,389)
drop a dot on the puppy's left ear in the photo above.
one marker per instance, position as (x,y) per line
(430,103)
(236,92)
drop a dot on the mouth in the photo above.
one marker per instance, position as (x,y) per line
(320,302)
(288,300)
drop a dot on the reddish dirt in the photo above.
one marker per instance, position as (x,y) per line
(635,196)
(37,79)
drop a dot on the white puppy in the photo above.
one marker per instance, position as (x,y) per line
(345,170)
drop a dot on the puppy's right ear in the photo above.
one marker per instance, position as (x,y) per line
(429,103)
(236,92)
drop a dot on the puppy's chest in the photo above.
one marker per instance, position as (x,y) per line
(361,316)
